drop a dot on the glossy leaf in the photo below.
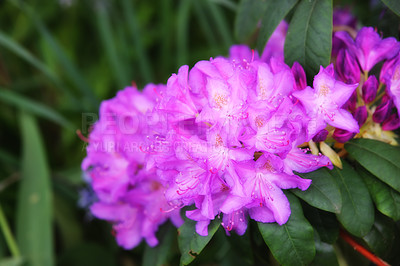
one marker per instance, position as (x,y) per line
(394,5)
(34,212)
(357,214)
(323,192)
(309,37)
(191,243)
(248,15)
(380,238)
(324,223)
(325,254)
(274,13)
(379,158)
(293,242)
(386,199)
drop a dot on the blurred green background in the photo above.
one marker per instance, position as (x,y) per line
(58,60)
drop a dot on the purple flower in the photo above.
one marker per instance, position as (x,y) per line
(275,44)
(299,76)
(369,47)
(324,101)
(392,81)
(369,89)
(347,67)
(383,110)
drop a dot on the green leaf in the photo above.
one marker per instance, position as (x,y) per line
(393,5)
(275,12)
(380,158)
(191,243)
(386,199)
(325,254)
(34,217)
(325,223)
(380,238)
(293,242)
(357,214)
(158,255)
(323,192)
(248,15)
(309,37)
(34,108)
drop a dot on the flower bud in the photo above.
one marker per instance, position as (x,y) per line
(342,136)
(361,115)
(299,76)
(369,89)
(347,67)
(351,103)
(392,122)
(383,110)
(321,136)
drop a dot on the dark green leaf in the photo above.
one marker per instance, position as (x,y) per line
(325,254)
(309,37)
(158,255)
(394,5)
(380,238)
(275,12)
(191,243)
(34,217)
(357,214)
(293,242)
(248,15)
(380,158)
(386,199)
(323,192)
(325,223)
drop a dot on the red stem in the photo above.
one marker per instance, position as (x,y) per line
(363,251)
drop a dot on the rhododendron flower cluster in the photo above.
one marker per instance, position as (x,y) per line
(229,135)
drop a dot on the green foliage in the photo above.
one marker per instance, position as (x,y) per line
(323,192)
(293,242)
(190,243)
(381,159)
(309,37)
(357,214)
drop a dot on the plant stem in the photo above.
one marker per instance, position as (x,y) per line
(12,245)
(363,251)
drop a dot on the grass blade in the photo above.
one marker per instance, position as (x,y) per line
(182,28)
(34,217)
(130,18)
(72,72)
(16,48)
(106,36)
(34,108)
(221,23)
